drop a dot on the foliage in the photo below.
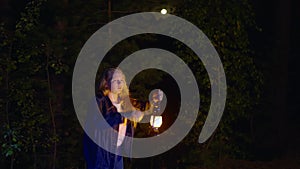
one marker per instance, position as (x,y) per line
(38,55)
(25,108)
(226,24)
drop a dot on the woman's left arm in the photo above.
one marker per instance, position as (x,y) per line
(134,115)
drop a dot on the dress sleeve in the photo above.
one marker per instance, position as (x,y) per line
(110,113)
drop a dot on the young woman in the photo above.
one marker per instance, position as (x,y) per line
(114,105)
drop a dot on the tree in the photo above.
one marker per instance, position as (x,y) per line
(39,52)
(227,24)
(29,127)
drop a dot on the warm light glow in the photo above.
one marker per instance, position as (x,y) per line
(157,122)
(163,11)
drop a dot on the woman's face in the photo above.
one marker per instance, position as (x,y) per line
(117,83)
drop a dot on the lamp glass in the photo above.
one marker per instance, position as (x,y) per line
(156,121)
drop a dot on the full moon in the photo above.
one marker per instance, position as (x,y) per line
(163,11)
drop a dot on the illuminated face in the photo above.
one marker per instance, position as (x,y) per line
(117,83)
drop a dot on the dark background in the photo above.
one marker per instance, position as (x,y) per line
(277,123)
(278,55)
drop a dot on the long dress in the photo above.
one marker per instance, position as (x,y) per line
(97,157)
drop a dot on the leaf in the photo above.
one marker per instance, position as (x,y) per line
(9,153)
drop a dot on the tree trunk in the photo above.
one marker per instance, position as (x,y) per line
(51,110)
(282,27)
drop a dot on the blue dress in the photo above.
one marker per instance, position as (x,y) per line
(97,157)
